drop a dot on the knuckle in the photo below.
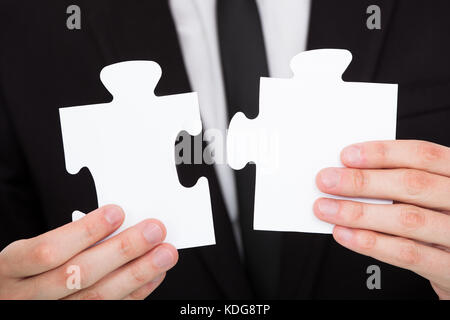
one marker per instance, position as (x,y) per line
(359,180)
(138,275)
(408,253)
(126,248)
(354,213)
(411,217)
(91,230)
(380,151)
(428,152)
(366,240)
(416,182)
(44,255)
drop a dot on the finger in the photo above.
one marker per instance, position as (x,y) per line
(404,185)
(399,219)
(95,263)
(146,290)
(412,154)
(33,256)
(429,262)
(132,276)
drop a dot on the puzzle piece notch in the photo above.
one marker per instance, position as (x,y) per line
(325,69)
(131,82)
(128,146)
(137,81)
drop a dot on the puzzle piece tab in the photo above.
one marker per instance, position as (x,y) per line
(302,126)
(128,146)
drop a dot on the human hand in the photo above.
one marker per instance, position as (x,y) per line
(414,232)
(129,265)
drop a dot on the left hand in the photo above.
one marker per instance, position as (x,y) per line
(414,232)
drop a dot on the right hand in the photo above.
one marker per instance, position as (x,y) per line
(129,265)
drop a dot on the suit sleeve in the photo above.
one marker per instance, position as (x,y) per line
(20,211)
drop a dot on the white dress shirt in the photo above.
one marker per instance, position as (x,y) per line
(285,29)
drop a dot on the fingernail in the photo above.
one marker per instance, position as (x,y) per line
(163,258)
(113,215)
(328,207)
(352,154)
(344,234)
(330,178)
(152,233)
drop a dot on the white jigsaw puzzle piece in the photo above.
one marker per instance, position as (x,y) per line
(128,146)
(302,126)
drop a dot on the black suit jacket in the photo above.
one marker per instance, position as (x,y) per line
(44,66)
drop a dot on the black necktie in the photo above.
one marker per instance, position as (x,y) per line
(243,63)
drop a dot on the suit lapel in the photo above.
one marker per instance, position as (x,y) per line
(333,24)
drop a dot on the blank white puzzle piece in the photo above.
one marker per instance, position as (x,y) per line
(128,146)
(302,126)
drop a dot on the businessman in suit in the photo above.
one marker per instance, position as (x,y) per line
(220,49)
